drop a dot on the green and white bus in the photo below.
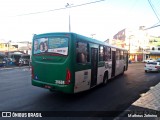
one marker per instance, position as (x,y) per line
(71,63)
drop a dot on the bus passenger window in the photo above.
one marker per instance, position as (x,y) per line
(101,53)
(117,55)
(109,53)
(105,54)
(121,55)
(82,52)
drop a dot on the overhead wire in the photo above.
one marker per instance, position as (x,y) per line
(154,10)
(60,8)
(156,13)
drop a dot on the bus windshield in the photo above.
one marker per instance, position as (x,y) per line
(57,45)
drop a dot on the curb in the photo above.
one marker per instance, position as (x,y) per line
(10,68)
(131,108)
(123,114)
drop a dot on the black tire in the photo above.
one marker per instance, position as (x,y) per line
(123,71)
(145,71)
(51,90)
(105,79)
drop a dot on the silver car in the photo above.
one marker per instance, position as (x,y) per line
(152,66)
(150,60)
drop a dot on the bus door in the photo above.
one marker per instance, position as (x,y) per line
(113,63)
(94,65)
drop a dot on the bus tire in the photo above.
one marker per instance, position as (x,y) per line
(105,78)
(51,90)
(123,71)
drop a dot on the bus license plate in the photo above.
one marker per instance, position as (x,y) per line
(47,86)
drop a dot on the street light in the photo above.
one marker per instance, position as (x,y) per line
(69,6)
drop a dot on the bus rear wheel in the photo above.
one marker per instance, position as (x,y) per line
(123,71)
(105,79)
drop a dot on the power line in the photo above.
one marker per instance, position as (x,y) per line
(156,4)
(153,10)
(60,8)
(152,27)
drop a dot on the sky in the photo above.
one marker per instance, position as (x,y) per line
(103,19)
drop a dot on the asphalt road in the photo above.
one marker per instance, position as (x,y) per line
(17,93)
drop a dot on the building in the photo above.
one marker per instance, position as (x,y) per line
(11,47)
(6,47)
(24,46)
(135,40)
(154,47)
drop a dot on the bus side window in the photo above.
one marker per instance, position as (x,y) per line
(117,55)
(107,53)
(101,53)
(121,55)
(82,52)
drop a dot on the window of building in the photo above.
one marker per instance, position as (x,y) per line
(82,51)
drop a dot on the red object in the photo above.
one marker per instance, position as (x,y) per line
(68,77)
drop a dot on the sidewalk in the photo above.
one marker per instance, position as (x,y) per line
(147,106)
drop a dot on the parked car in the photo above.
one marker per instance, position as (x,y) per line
(150,60)
(24,60)
(3,60)
(152,66)
(158,60)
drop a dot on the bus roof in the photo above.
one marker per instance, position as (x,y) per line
(78,36)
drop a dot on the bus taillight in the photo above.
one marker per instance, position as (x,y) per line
(32,69)
(68,77)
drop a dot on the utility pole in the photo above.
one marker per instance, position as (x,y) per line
(69,6)
(130,44)
(8,47)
